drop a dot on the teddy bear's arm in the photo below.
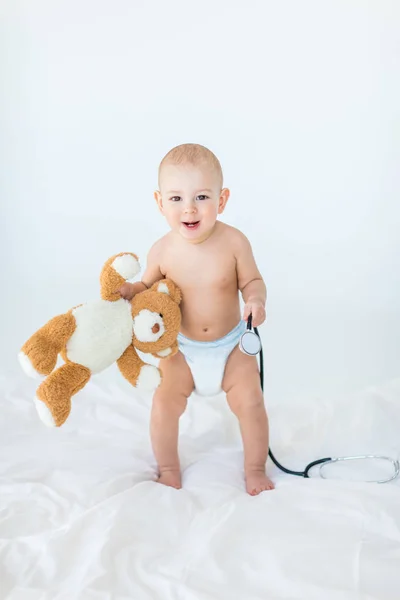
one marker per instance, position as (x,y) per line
(115,272)
(138,373)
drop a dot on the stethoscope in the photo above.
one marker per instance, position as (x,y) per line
(250,344)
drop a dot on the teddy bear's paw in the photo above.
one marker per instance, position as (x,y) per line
(149,378)
(126,265)
(44,413)
(27,366)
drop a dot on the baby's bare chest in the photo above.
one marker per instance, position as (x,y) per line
(205,270)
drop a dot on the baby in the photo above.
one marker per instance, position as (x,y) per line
(210,262)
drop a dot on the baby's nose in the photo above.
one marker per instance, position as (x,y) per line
(155,328)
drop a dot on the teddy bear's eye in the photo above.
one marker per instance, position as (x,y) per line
(160,315)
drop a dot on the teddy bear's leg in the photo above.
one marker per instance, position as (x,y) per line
(138,373)
(39,354)
(53,397)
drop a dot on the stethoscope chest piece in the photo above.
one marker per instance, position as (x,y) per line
(250,342)
(389,477)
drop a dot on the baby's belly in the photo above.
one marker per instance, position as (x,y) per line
(209,315)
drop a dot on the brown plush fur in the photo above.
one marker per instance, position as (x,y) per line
(45,345)
(130,364)
(57,389)
(156,302)
(110,280)
(174,349)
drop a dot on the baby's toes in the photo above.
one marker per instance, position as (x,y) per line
(257,484)
(269,485)
(171,479)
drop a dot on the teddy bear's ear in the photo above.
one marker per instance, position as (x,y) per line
(166,286)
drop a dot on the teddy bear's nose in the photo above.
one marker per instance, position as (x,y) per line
(155,328)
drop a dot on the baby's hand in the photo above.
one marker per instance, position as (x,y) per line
(127,290)
(257,310)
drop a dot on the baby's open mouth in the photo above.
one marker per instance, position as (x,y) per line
(191,225)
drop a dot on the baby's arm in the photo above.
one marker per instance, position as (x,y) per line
(250,281)
(151,275)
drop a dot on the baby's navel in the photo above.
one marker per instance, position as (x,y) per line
(205,329)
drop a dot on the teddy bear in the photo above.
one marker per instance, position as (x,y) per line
(94,335)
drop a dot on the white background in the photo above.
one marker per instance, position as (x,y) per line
(299,100)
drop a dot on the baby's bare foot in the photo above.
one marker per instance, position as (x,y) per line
(257,481)
(171,478)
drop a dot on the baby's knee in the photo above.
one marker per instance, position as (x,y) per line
(169,400)
(246,397)
(177,378)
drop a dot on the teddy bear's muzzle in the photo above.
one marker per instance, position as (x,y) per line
(148,326)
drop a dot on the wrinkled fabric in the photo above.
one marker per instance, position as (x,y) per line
(81,516)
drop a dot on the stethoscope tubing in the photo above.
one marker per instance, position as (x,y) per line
(322,462)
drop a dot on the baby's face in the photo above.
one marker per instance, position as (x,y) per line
(190,198)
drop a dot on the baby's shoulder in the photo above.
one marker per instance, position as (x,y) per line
(232,235)
(161,244)
(158,248)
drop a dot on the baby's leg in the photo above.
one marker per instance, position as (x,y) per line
(169,403)
(242,386)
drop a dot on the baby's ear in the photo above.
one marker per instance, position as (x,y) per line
(166,286)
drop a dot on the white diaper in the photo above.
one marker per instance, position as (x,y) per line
(207,360)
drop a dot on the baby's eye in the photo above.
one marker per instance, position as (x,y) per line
(175,198)
(202,197)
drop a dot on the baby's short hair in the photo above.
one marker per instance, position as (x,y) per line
(192,154)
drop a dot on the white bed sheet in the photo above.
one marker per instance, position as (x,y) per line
(81,517)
